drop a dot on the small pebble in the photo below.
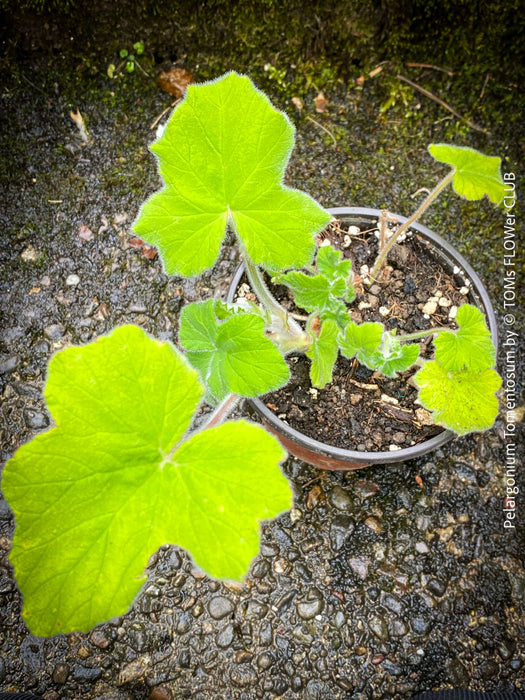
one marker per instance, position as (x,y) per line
(220,607)
(30,254)
(430,308)
(72,280)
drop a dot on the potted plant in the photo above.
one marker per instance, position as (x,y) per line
(131,462)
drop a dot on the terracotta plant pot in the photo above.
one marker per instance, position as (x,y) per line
(326,456)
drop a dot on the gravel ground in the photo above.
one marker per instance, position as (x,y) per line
(379,583)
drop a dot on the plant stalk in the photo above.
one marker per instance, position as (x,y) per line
(428,201)
(420,334)
(222,411)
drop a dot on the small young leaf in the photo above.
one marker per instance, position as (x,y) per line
(233,356)
(222,156)
(311,293)
(97,495)
(123,53)
(476,174)
(470,346)
(323,354)
(462,401)
(329,264)
(138,47)
(397,359)
(361,341)
(326,292)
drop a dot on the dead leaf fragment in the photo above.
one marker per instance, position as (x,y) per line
(321,103)
(85,233)
(297,103)
(149,253)
(175,81)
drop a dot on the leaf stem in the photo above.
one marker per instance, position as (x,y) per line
(428,201)
(260,288)
(222,411)
(419,334)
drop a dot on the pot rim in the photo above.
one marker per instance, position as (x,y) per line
(405,453)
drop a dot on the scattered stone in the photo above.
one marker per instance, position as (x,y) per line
(160,693)
(365,489)
(379,627)
(341,528)
(359,566)
(225,637)
(420,625)
(60,673)
(311,605)
(72,280)
(134,670)
(437,587)
(7,364)
(220,607)
(421,548)
(99,639)
(430,307)
(340,499)
(264,661)
(82,673)
(373,524)
(243,676)
(54,332)
(30,254)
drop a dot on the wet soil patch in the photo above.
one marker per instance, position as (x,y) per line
(361,409)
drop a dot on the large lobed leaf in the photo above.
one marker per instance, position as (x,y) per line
(471,346)
(462,401)
(475,175)
(222,156)
(96,495)
(232,356)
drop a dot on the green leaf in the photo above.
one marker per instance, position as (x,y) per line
(323,354)
(462,401)
(130,66)
(311,292)
(123,53)
(326,292)
(95,496)
(329,264)
(222,156)
(476,174)
(138,47)
(394,358)
(233,356)
(471,346)
(361,341)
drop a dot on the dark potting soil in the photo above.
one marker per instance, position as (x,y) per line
(361,409)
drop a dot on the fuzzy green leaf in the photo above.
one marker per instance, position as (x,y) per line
(471,346)
(223,155)
(361,341)
(97,495)
(323,353)
(462,401)
(476,174)
(326,292)
(398,358)
(329,264)
(232,356)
